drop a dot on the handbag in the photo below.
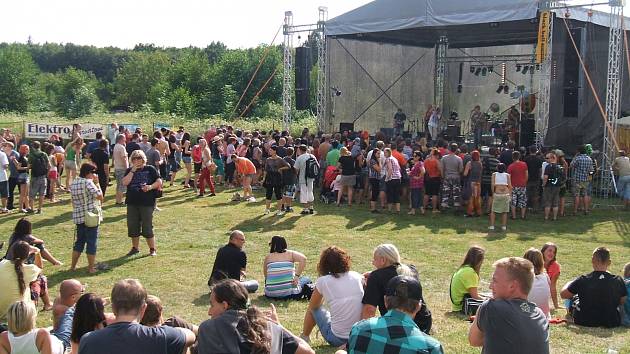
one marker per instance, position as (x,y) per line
(94,217)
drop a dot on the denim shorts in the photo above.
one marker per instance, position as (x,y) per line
(4,189)
(187,159)
(322,318)
(86,235)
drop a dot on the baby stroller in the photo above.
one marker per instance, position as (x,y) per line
(326,194)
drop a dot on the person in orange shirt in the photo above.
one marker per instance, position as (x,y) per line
(247,170)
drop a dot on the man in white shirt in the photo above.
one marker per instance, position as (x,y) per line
(121,164)
(4,182)
(305,184)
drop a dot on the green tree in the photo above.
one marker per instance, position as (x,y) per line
(18,75)
(137,77)
(181,102)
(76,94)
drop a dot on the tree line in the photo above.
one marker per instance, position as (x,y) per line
(73,80)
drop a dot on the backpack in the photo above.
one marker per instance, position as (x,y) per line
(39,165)
(555,176)
(312,168)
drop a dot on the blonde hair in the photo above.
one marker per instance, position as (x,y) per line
(519,269)
(138,154)
(536,257)
(21,316)
(344,151)
(392,256)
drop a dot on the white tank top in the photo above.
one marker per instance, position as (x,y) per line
(24,344)
(500,179)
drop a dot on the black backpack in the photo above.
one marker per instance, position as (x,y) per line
(39,165)
(555,176)
(312,168)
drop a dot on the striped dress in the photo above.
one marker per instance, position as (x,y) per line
(279,282)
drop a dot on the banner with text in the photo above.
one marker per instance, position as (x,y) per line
(544,27)
(45,130)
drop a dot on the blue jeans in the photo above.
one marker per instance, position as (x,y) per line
(322,318)
(623,187)
(85,235)
(250,285)
(64,327)
(417,194)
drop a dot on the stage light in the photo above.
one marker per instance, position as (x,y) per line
(525,69)
(506,89)
(500,89)
(518,67)
(472,69)
(477,72)
(459,88)
(484,71)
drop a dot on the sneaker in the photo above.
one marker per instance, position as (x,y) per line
(251,199)
(30,211)
(152,252)
(267,211)
(211,195)
(199,195)
(39,211)
(289,210)
(491,228)
(311,211)
(304,212)
(157,209)
(280,213)
(4,211)
(24,210)
(503,228)
(132,251)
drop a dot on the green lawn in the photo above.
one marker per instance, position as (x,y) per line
(189,231)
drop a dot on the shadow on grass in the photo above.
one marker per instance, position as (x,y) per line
(202,300)
(264,223)
(596,332)
(112,264)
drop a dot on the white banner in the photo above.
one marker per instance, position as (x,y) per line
(44,130)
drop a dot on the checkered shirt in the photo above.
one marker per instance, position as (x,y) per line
(393,333)
(83,192)
(582,166)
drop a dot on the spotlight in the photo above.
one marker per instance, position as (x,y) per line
(459,88)
(484,71)
(525,68)
(472,69)
(500,89)
(518,67)
(477,72)
(506,89)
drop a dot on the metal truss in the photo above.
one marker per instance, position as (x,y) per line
(322,61)
(287,75)
(441,52)
(544,88)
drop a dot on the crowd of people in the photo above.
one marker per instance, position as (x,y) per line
(349,169)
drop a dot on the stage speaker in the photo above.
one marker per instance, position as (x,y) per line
(571,102)
(389,132)
(346,126)
(302,77)
(452,131)
(528,132)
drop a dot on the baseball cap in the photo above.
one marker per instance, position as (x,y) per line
(404,287)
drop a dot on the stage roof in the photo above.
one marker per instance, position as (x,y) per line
(470,23)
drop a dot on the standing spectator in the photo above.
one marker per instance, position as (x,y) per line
(100,158)
(452,168)
(540,294)
(121,164)
(506,156)
(490,164)
(247,172)
(126,335)
(416,184)
(12,156)
(73,159)
(207,165)
(85,193)
(552,179)
(112,133)
(501,190)
(581,170)
(564,169)
(348,179)
(273,179)
(173,158)
(465,281)
(134,144)
(217,151)
(534,165)
(142,183)
(21,165)
(186,147)
(289,180)
(342,290)
(4,181)
(332,157)
(231,263)
(93,145)
(374,174)
(163,149)
(392,181)
(395,331)
(473,172)
(39,164)
(508,323)
(621,166)
(229,164)
(595,297)
(432,180)
(518,172)
(53,175)
(380,146)
(302,164)
(145,145)
(552,267)
(237,327)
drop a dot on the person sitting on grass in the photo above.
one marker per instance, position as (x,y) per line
(282,279)
(23,231)
(552,267)
(540,294)
(89,316)
(231,262)
(508,323)
(342,290)
(153,316)
(237,327)
(501,190)
(626,305)
(23,337)
(395,331)
(388,265)
(595,297)
(63,309)
(126,335)
(465,281)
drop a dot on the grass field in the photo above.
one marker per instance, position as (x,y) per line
(189,231)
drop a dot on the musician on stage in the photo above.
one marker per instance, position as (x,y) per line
(476,121)
(399,122)
(434,123)
(512,124)
(427,117)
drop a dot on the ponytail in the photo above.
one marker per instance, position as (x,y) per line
(20,251)
(17,263)
(402,269)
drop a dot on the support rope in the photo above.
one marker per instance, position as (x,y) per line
(611,133)
(259,92)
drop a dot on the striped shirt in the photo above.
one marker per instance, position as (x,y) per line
(279,282)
